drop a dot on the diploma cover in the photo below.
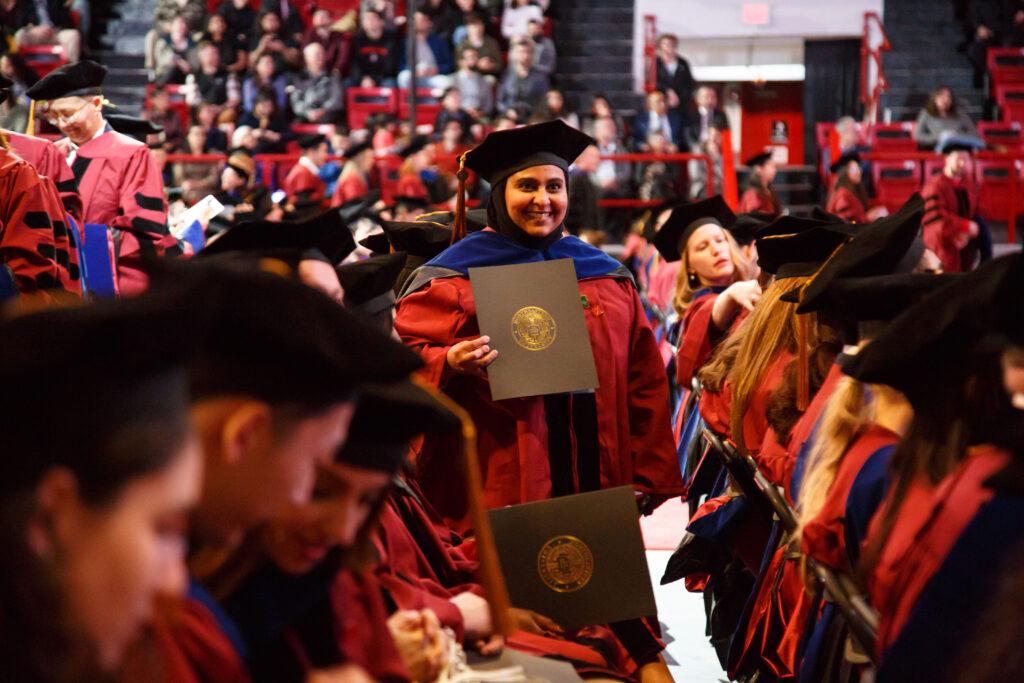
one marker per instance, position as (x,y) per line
(533,314)
(576,559)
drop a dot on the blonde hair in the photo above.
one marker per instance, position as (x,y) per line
(744,357)
(743,269)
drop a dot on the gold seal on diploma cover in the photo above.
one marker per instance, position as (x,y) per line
(533,328)
(565,564)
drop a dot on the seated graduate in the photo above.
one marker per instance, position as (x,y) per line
(437,317)
(848,198)
(714,282)
(272,395)
(937,556)
(94,508)
(757,194)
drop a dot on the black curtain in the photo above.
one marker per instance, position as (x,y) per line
(831,86)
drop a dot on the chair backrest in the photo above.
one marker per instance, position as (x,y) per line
(1006,65)
(428,105)
(364,102)
(999,133)
(43,58)
(892,136)
(932,166)
(895,181)
(313,128)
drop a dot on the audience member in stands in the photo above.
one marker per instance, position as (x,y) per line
(14,109)
(446,18)
(553,107)
(172,52)
(1015,38)
(451,110)
(515,20)
(658,179)
(489,60)
(265,76)
(243,200)
(393,19)
(477,92)
(657,116)
(337,44)
(757,193)
(544,54)
(942,117)
(196,178)
(192,10)
(434,61)
(374,53)
(612,178)
(354,181)
(450,144)
(951,227)
(241,20)
(206,116)
(303,185)
(848,197)
(317,93)
(467,8)
(582,218)
(521,86)
(291,19)
(213,84)
(673,75)
(160,113)
(504,122)
(989,22)
(46,22)
(600,107)
(232,57)
(703,116)
(697,169)
(269,124)
(270,37)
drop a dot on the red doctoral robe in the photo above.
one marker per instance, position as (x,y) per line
(843,202)
(27,207)
(303,186)
(759,199)
(956,500)
(350,186)
(411,185)
(121,187)
(633,421)
(361,625)
(943,221)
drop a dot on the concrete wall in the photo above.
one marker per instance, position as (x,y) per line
(720,46)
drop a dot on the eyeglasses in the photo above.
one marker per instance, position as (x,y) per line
(57,119)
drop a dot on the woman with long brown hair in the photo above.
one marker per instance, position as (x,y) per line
(942,117)
(848,197)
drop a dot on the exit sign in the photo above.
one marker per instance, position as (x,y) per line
(755,13)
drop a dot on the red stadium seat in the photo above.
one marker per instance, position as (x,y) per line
(933,166)
(43,59)
(999,134)
(1010,98)
(313,128)
(895,181)
(428,105)
(892,137)
(364,102)
(998,181)
(1005,65)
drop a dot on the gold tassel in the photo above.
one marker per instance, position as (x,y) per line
(490,574)
(459,222)
(803,382)
(30,127)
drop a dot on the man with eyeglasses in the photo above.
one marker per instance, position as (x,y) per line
(118,179)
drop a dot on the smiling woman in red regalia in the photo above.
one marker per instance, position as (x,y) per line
(539,447)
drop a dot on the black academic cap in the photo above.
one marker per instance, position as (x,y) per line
(685,219)
(367,280)
(820,214)
(652,216)
(326,233)
(797,247)
(919,348)
(758,159)
(843,160)
(414,145)
(747,225)
(420,238)
(311,140)
(505,152)
(361,207)
(274,338)
(377,243)
(81,79)
(85,374)
(851,300)
(476,219)
(387,417)
(958,143)
(358,147)
(410,202)
(132,126)
(879,248)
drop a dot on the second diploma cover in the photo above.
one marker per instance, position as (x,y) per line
(533,314)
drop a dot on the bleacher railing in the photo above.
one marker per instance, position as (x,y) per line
(873,83)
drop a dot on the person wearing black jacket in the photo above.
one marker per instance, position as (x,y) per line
(47,23)
(674,77)
(374,54)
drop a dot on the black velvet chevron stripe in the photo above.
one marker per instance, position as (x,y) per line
(144,225)
(151,203)
(47,251)
(69,185)
(79,165)
(38,220)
